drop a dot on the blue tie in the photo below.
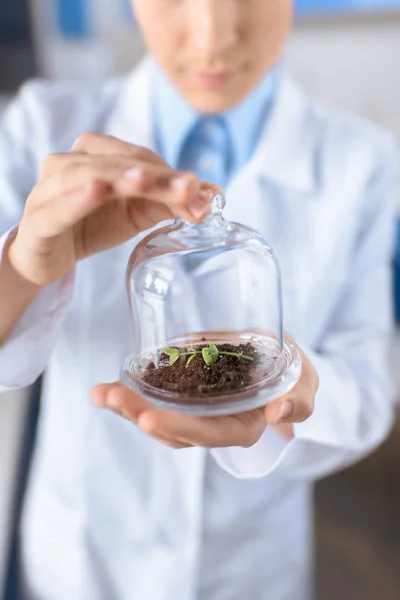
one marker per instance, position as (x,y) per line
(207,151)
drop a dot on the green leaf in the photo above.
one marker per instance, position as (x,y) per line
(208,359)
(210,354)
(189,360)
(173,354)
(213,350)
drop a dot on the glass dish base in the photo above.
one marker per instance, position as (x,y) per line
(286,372)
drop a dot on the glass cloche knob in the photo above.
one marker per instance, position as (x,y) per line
(206,310)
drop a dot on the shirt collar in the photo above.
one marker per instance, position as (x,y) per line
(175,118)
(247,120)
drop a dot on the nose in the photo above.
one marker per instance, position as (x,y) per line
(213,27)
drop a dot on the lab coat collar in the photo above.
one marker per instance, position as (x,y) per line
(286,154)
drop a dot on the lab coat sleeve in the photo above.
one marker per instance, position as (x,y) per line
(354,404)
(25,354)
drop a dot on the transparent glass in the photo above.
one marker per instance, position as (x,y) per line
(216,282)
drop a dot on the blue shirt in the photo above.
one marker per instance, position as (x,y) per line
(215,147)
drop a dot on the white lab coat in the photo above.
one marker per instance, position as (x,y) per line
(112,514)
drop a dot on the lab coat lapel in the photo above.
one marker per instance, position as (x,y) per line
(286,155)
(277,189)
(283,166)
(132,120)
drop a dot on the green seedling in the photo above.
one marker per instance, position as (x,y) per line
(210,355)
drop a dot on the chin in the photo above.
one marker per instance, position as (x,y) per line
(214,102)
(211,101)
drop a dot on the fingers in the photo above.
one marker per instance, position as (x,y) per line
(126,175)
(206,432)
(94,143)
(120,400)
(152,181)
(178,191)
(98,148)
(133,170)
(297,405)
(206,186)
(176,429)
(133,173)
(54,218)
(130,406)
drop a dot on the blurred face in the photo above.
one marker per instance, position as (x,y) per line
(215,51)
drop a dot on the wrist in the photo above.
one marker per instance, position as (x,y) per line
(11,270)
(16,293)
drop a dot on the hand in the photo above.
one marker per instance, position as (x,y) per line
(96,197)
(177,430)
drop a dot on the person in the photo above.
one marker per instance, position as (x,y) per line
(113,511)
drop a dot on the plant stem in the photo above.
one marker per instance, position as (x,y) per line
(237,355)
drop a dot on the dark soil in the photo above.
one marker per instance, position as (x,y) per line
(228,374)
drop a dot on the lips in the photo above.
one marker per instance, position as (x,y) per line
(214,79)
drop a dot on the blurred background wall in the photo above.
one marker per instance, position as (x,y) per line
(349,58)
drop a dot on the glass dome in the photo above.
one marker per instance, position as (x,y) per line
(206,310)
